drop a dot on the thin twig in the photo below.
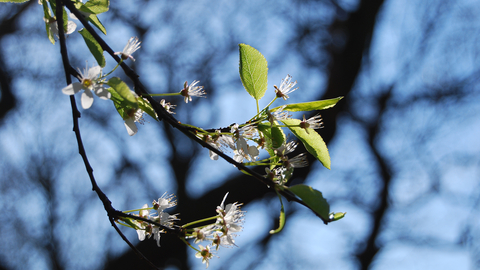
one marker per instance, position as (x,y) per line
(112,213)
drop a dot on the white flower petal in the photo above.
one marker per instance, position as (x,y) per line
(223,201)
(141,235)
(242,144)
(87,99)
(253,152)
(144,213)
(72,88)
(238,157)
(213,155)
(71,26)
(93,72)
(131,127)
(102,92)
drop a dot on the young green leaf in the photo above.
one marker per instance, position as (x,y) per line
(91,8)
(124,91)
(253,71)
(93,46)
(281,219)
(95,21)
(337,216)
(314,199)
(119,102)
(274,135)
(47,17)
(310,106)
(312,140)
(146,107)
(97,6)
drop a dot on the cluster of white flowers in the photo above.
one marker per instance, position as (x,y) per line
(229,221)
(236,140)
(157,214)
(239,137)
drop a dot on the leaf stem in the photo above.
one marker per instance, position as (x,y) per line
(199,221)
(162,95)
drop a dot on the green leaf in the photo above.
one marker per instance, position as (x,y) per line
(274,134)
(13,1)
(93,46)
(97,6)
(129,98)
(95,21)
(337,216)
(48,16)
(119,103)
(314,199)
(90,9)
(310,106)
(253,71)
(146,107)
(281,219)
(312,140)
(274,138)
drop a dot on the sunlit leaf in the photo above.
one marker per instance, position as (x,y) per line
(313,198)
(337,216)
(310,106)
(281,219)
(93,46)
(274,136)
(312,140)
(97,6)
(253,71)
(47,15)
(146,107)
(95,21)
(124,91)
(119,102)
(90,9)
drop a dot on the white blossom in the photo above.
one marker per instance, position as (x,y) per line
(164,202)
(298,161)
(220,142)
(132,45)
(192,90)
(89,82)
(286,87)
(242,150)
(278,115)
(314,122)
(286,148)
(167,106)
(204,254)
(134,116)
(53,26)
(230,220)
